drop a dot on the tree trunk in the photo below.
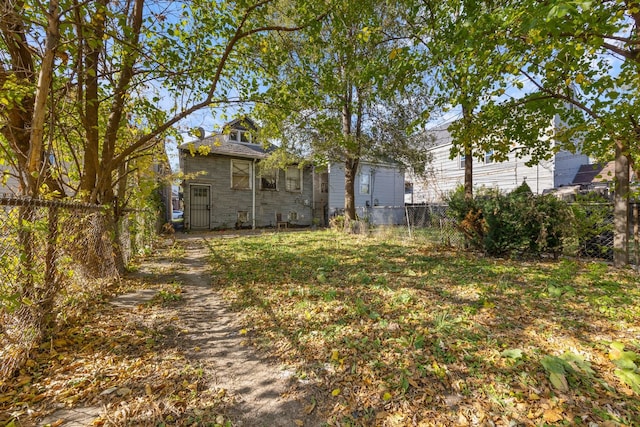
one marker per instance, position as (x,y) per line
(94,46)
(621,208)
(468,155)
(350,171)
(468,174)
(35,165)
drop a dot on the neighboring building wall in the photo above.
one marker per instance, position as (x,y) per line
(381,187)
(567,166)
(215,174)
(12,187)
(444,175)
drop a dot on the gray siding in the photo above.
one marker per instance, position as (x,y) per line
(215,172)
(386,186)
(567,165)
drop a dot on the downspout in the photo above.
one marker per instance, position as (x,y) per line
(253,197)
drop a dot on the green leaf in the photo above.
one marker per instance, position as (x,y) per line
(630,378)
(559,381)
(625,363)
(553,364)
(512,353)
(617,346)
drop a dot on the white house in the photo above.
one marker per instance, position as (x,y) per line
(444,174)
(379,191)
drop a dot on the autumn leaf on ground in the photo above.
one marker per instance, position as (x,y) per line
(553,415)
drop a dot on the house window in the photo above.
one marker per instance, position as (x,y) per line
(293,177)
(236,135)
(365,180)
(462,160)
(488,157)
(408,187)
(269,179)
(240,175)
(293,216)
(324,187)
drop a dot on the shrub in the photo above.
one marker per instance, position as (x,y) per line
(516,223)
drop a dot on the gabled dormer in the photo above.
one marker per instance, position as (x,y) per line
(241,130)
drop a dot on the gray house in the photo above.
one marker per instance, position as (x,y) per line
(225,186)
(444,173)
(379,191)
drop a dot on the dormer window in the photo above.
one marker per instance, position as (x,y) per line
(237,135)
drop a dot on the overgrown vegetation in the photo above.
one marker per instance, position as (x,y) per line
(393,332)
(521,223)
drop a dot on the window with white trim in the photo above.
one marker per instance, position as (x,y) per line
(240,175)
(237,135)
(365,183)
(293,179)
(462,160)
(488,157)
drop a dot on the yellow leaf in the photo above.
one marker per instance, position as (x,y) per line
(580,78)
(393,54)
(335,392)
(147,389)
(552,415)
(299,423)
(387,396)
(243,331)
(334,355)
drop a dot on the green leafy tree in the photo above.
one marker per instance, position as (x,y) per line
(447,37)
(582,61)
(342,91)
(110,64)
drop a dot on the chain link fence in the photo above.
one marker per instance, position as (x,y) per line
(433,223)
(54,256)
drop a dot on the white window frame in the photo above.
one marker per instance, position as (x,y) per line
(236,135)
(240,162)
(288,179)
(488,157)
(365,183)
(462,160)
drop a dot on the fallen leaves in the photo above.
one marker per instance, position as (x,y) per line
(111,358)
(391,330)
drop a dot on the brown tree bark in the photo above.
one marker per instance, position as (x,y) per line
(468,156)
(93,44)
(621,207)
(35,162)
